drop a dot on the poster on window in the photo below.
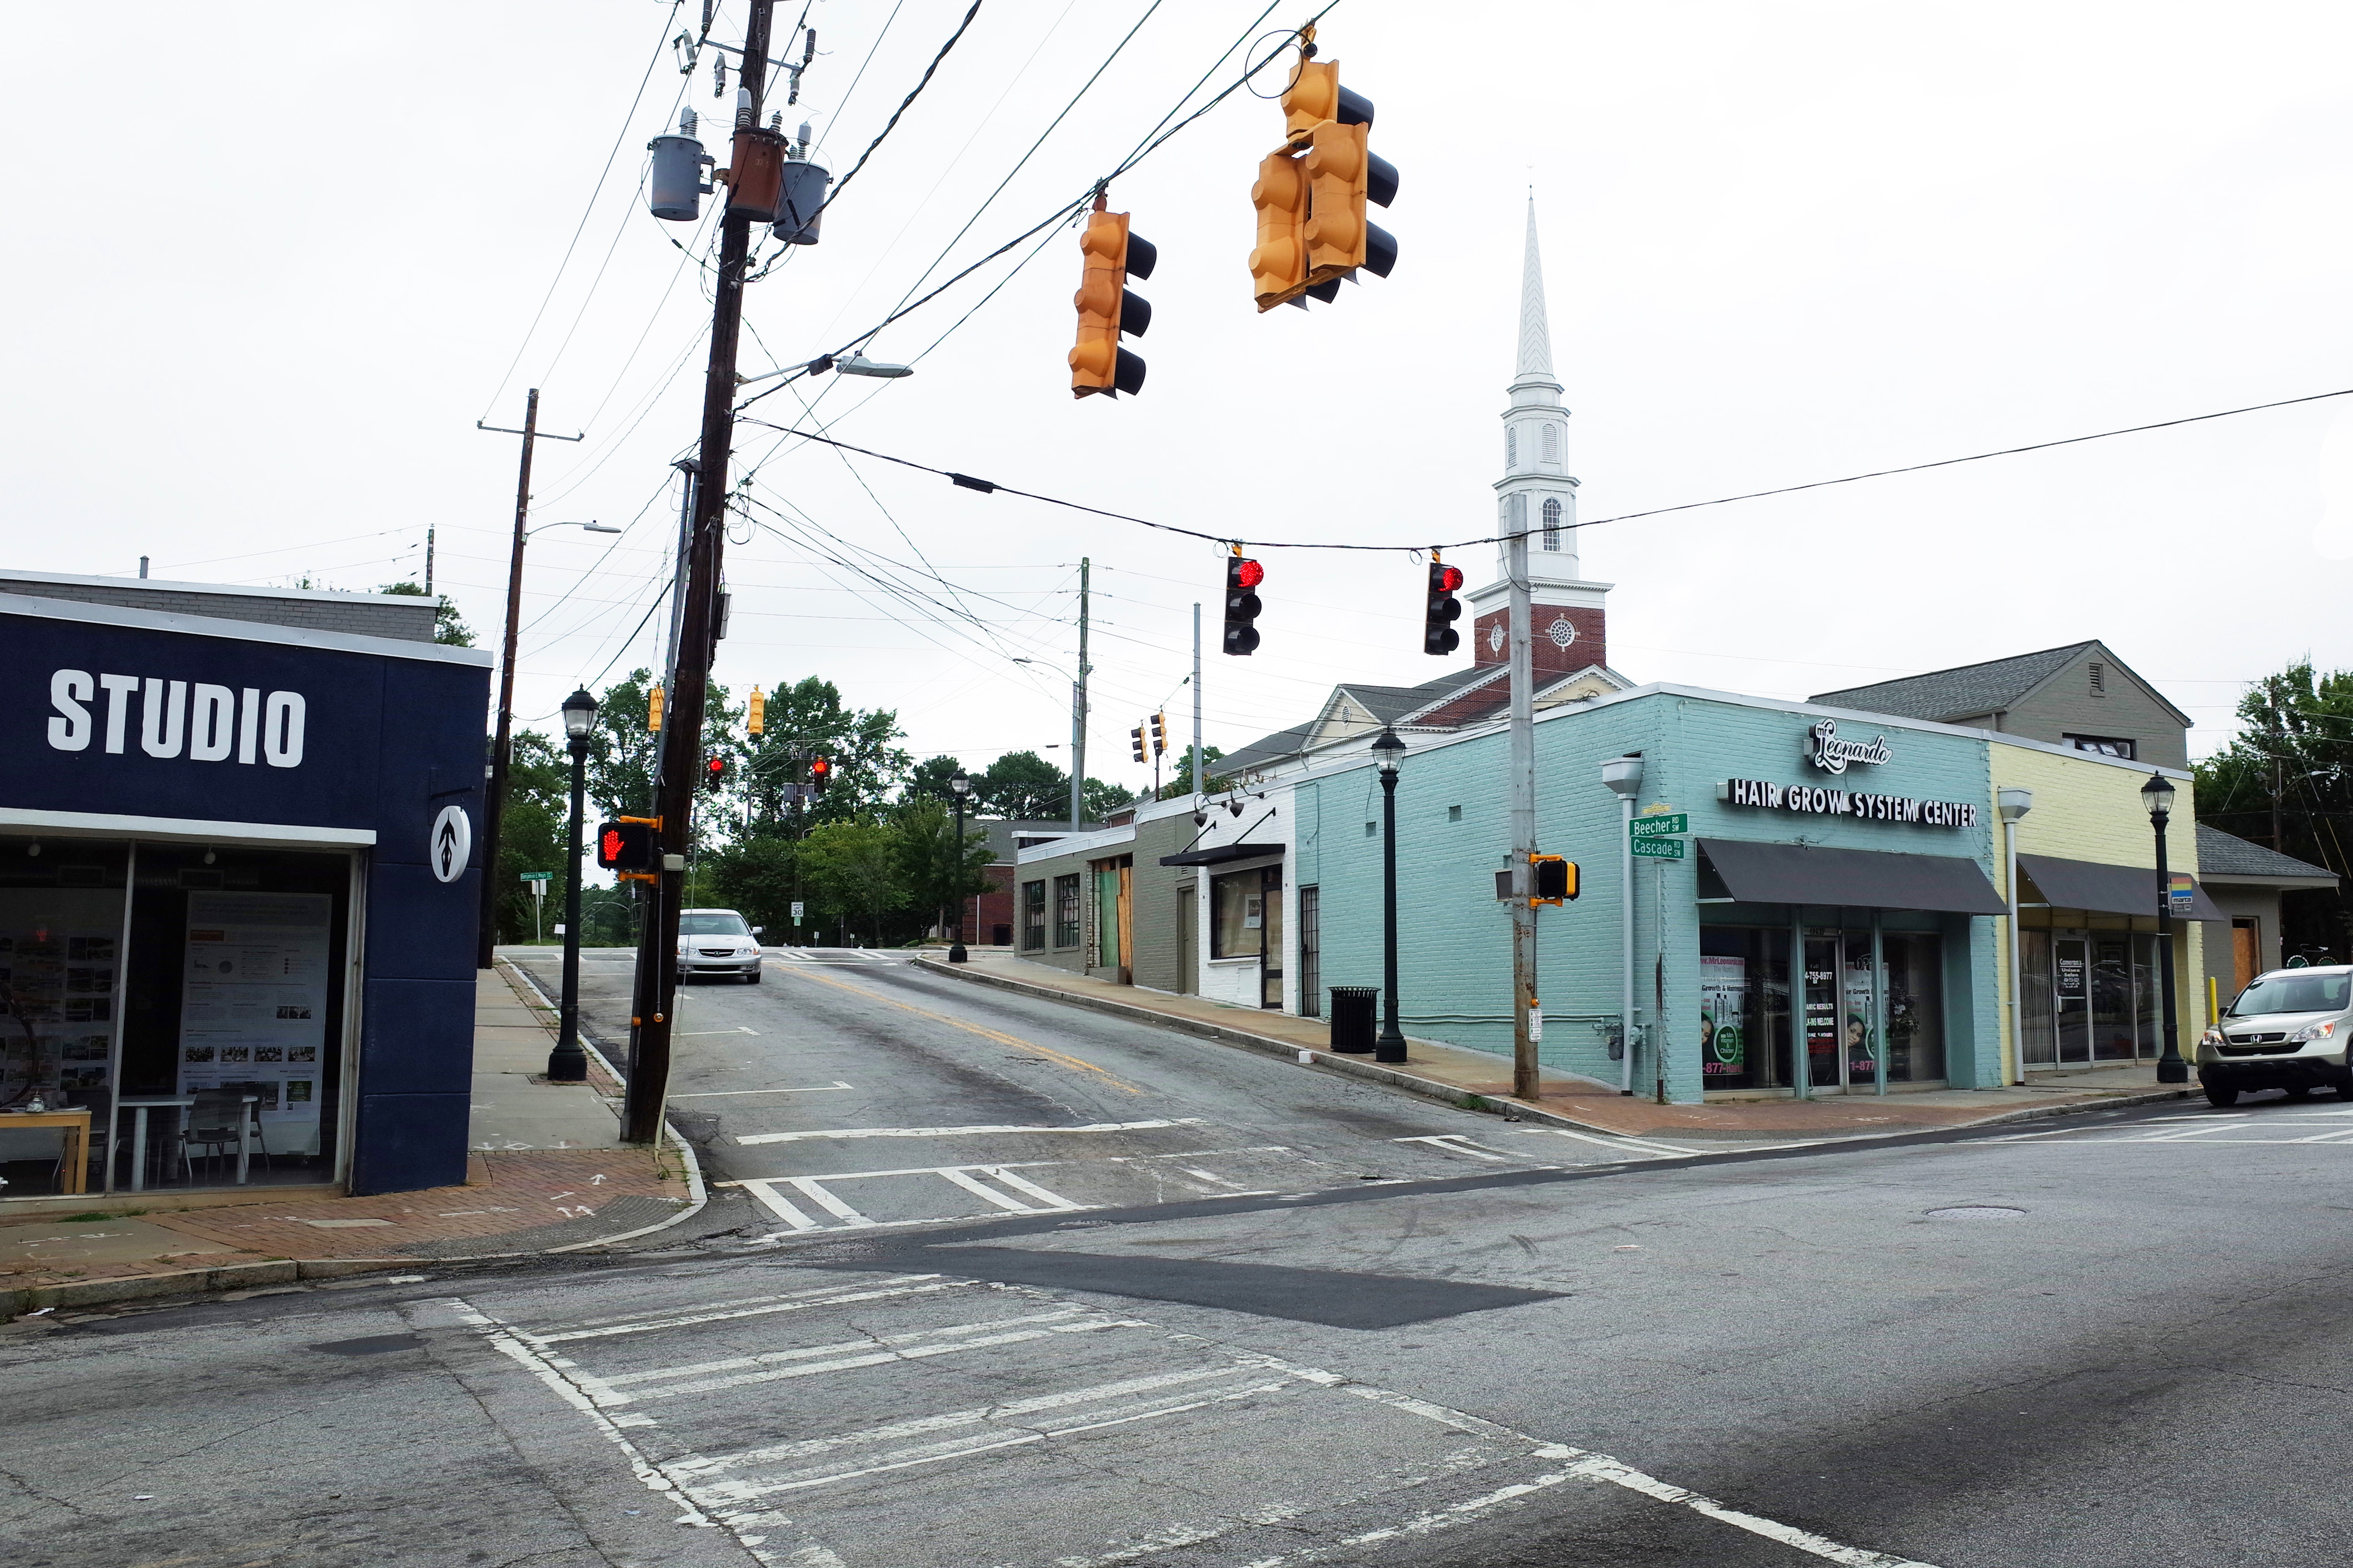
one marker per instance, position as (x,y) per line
(1860,1041)
(1722,1022)
(56,992)
(253,1006)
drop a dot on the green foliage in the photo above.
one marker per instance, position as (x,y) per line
(855,872)
(1022,787)
(937,874)
(807,716)
(929,781)
(531,831)
(757,875)
(1101,799)
(447,627)
(2298,730)
(1182,785)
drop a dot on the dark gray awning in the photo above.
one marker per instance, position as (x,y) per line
(1221,854)
(1858,879)
(2104,889)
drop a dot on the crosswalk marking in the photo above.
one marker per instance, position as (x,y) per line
(842,1133)
(1007,1195)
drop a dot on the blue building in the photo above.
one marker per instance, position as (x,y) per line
(238,888)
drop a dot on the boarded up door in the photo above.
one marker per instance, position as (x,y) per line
(2246,952)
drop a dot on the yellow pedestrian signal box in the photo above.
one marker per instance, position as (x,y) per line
(1555,877)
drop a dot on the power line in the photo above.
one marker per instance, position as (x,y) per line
(892,123)
(968,481)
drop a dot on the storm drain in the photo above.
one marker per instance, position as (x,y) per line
(1977,1211)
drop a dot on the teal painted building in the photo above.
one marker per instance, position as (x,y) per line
(1866,868)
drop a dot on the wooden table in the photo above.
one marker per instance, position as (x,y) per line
(73,1128)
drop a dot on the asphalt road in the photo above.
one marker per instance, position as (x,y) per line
(2119,1340)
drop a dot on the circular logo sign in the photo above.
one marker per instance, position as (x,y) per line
(451,841)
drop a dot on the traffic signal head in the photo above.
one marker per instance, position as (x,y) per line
(1554,879)
(1135,739)
(1438,633)
(755,713)
(654,708)
(1160,733)
(714,772)
(1242,577)
(1278,263)
(820,770)
(1342,174)
(627,845)
(1106,308)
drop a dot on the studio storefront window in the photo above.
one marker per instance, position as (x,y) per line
(186,1003)
(1847,1010)
(2087,996)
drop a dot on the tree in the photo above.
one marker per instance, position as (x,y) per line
(1023,786)
(532,831)
(2292,764)
(929,781)
(1101,799)
(621,749)
(1182,785)
(758,875)
(853,869)
(447,627)
(937,875)
(807,716)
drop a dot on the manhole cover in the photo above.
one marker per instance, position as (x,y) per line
(1977,1211)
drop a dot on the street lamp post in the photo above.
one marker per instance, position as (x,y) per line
(959,786)
(1389,752)
(2157,795)
(567,1063)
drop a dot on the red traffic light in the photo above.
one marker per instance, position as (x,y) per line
(1450,578)
(1249,574)
(819,771)
(714,772)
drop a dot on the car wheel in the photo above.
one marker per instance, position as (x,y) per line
(2221,1094)
(2298,1091)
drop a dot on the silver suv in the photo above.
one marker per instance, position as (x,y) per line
(2289,1030)
(717,941)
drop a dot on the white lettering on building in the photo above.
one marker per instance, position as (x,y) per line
(1831,755)
(200,721)
(1819,801)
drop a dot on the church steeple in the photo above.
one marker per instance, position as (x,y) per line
(1538,495)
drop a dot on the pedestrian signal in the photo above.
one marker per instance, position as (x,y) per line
(1555,880)
(627,845)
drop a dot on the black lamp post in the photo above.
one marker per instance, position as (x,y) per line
(1389,752)
(567,1063)
(959,786)
(2157,795)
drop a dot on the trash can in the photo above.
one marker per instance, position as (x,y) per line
(1352,1018)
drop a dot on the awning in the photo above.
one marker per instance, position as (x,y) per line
(1221,854)
(1857,878)
(2104,889)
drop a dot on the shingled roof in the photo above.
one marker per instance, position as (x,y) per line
(2227,855)
(1948,696)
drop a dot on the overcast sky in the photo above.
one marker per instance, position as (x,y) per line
(272,263)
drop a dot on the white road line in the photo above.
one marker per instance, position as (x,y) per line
(1625,1145)
(809,1447)
(800,1300)
(783,1208)
(1062,1313)
(723,1093)
(693,1034)
(816,1194)
(1021,1185)
(1214,1178)
(876,1358)
(1011,1206)
(1455,1144)
(961,1131)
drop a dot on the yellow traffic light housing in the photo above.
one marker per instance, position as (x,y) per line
(1312,192)
(654,710)
(1136,738)
(1552,879)
(1106,307)
(756,714)
(1278,263)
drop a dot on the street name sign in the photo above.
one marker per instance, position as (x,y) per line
(538,876)
(1658,848)
(1660,827)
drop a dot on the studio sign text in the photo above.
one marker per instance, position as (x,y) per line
(1828,753)
(206,723)
(1850,802)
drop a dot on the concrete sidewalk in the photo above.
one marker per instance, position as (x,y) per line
(547,1172)
(1482,1080)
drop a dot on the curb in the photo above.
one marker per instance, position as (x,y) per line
(1463,1099)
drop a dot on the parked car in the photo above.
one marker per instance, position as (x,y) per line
(717,942)
(2288,1029)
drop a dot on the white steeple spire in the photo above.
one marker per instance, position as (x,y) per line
(1533,373)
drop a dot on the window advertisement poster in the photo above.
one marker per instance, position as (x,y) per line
(56,992)
(1723,1024)
(253,1006)
(1855,1030)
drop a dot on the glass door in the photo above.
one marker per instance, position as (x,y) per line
(1842,1038)
(2071,997)
(1823,1052)
(1270,935)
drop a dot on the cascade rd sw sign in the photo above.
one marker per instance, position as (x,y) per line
(1657,848)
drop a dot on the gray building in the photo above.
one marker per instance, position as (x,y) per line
(2081,696)
(403,616)
(1100,903)
(2245,881)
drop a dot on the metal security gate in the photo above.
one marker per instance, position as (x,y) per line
(1311,952)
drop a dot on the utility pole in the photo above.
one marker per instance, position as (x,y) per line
(1078,711)
(429,565)
(1525,1030)
(657,986)
(1201,783)
(494,802)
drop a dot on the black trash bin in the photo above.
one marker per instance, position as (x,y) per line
(1353,1010)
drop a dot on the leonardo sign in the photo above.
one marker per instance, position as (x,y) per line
(1828,753)
(1809,798)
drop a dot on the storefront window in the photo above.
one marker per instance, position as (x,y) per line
(1744,1019)
(202,1036)
(2038,1040)
(1066,911)
(1237,914)
(1743,1006)
(1916,1005)
(1033,916)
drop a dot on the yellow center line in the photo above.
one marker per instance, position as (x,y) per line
(805,972)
